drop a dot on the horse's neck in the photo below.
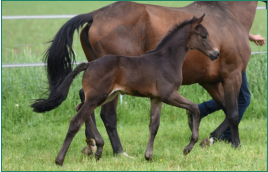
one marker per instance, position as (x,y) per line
(176,48)
(243,11)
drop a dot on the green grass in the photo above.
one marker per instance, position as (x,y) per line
(31,141)
(35,144)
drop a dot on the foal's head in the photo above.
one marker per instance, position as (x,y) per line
(199,39)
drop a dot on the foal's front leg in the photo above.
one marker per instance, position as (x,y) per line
(156,106)
(178,100)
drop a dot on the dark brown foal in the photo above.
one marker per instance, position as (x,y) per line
(156,75)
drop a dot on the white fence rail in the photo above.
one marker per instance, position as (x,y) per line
(60,16)
(38,17)
(28,65)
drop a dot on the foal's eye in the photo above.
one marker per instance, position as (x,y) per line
(204,36)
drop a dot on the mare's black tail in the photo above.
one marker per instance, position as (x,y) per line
(59,95)
(59,58)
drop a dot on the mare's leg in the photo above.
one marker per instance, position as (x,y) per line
(75,125)
(231,91)
(109,118)
(178,100)
(224,131)
(87,48)
(156,106)
(243,102)
(216,91)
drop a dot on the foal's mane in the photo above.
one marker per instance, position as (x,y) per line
(172,32)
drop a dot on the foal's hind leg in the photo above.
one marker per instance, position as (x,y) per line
(178,100)
(90,148)
(75,125)
(99,140)
(156,106)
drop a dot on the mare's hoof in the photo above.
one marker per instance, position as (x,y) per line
(206,142)
(186,151)
(97,157)
(236,145)
(190,120)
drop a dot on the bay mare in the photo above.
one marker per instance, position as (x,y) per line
(156,74)
(131,29)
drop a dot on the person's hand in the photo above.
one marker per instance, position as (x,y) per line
(257,39)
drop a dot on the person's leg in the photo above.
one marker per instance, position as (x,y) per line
(207,108)
(243,102)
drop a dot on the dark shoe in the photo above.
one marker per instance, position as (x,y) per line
(225,140)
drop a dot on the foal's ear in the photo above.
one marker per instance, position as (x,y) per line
(198,20)
(201,18)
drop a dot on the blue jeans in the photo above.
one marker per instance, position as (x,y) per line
(243,102)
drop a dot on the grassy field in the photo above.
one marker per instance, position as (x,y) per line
(31,141)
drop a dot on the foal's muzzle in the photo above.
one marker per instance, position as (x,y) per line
(214,55)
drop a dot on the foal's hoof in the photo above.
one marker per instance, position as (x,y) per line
(88,150)
(57,162)
(190,119)
(186,151)
(206,142)
(91,148)
(236,145)
(149,159)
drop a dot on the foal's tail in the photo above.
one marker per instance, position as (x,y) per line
(60,56)
(61,93)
